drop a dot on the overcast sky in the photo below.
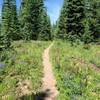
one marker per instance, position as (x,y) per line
(53,8)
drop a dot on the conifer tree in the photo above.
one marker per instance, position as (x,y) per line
(30,18)
(26,19)
(49,30)
(87,36)
(45,32)
(5,35)
(14,21)
(71,19)
(0,38)
(55,30)
(9,22)
(75,18)
(92,26)
(0,28)
(62,22)
(95,19)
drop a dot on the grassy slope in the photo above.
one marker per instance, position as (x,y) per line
(25,65)
(76,80)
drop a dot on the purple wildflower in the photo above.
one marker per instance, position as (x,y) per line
(2,65)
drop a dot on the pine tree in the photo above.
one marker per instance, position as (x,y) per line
(71,20)
(62,22)
(45,32)
(25,20)
(49,30)
(75,17)
(0,27)
(0,38)
(55,30)
(14,21)
(92,12)
(30,18)
(40,18)
(9,22)
(95,19)
(87,36)
(5,35)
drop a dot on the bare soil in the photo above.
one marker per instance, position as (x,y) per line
(49,81)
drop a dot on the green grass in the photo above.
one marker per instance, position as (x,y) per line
(76,80)
(23,66)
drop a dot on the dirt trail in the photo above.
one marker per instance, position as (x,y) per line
(49,81)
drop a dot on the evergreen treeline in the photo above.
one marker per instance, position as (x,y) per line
(80,19)
(31,22)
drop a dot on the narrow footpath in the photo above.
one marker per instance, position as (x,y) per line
(49,81)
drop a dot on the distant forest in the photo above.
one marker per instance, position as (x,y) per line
(79,21)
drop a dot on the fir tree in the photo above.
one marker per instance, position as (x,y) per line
(87,36)
(75,17)
(9,22)
(5,35)
(71,20)
(40,17)
(49,30)
(14,20)
(92,11)
(45,32)
(62,22)
(30,18)
(0,28)
(55,30)
(0,38)
(25,19)
(95,19)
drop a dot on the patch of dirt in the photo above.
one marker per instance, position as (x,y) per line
(23,87)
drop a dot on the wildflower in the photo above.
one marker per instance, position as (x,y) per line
(2,65)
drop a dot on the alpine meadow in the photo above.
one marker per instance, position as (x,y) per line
(49,49)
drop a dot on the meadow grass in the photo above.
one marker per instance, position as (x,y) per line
(76,79)
(24,70)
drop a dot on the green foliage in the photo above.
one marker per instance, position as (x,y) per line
(95,19)
(75,16)
(14,21)
(34,21)
(76,78)
(23,65)
(62,23)
(87,37)
(45,32)
(0,27)
(9,27)
(92,11)
(55,30)
(27,19)
(79,19)
(6,18)
(71,19)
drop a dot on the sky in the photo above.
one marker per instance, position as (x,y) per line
(53,8)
